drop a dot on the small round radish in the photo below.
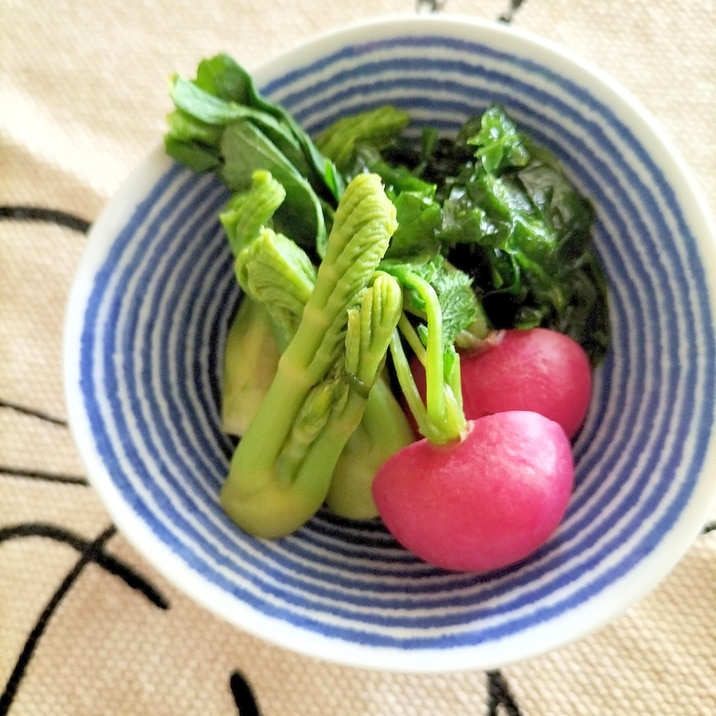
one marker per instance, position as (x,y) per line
(537,369)
(484,502)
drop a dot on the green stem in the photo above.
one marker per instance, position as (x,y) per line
(410,389)
(411,335)
(440,418)
(383,431)
(435,388)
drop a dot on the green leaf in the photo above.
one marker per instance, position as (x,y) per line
(245,150)
(247,212)
(499,144)
(459,306)
(187,128)
(222,76)
(375,128)
(274,271)
(198,158)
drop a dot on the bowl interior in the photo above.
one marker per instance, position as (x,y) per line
(155,292)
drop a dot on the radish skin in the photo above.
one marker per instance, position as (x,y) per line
(484,502)
(537,369)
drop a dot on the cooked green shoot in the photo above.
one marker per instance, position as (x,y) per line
(281,470)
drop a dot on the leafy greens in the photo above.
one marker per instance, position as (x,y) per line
(501,209)
(354,246)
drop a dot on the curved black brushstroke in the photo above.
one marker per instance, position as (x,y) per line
(430,5)
(57,477)
(509,15)
(499,694)
(107,562)
(49,216)
(62,218)
(89,554)
(243,695)
(90,551)
(708,527)
(41,414)
(39,474)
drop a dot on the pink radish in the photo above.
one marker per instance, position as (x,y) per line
(483,502)
(473,494)
(537,369)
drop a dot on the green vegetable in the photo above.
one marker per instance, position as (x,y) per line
(501,209)
(223,93)
(278,275)
(383,431)
(250,361)
(248,211)
(463,320)
(497,206)
(275,271)
(222,124)
(337,242)
(281,470)
(532,257)
(441,418)
(375,128)
(499,145)
(255,337)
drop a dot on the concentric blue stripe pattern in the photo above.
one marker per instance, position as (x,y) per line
(151,355)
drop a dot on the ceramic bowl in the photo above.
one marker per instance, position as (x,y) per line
(146,326)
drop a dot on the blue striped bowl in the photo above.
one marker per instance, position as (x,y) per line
(147,322)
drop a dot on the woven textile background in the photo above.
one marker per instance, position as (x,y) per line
(86,626)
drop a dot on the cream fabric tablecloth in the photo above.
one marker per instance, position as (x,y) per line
(86,626)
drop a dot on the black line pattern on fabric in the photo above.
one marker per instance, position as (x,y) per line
(429,5)
(90,551)
(107,562)
(76,223)
(438,5)
(510,13)
(243,695)
(499,694)
(57,477)
(43,214)
(33,413)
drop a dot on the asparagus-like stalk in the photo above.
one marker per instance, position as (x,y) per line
(257,495)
